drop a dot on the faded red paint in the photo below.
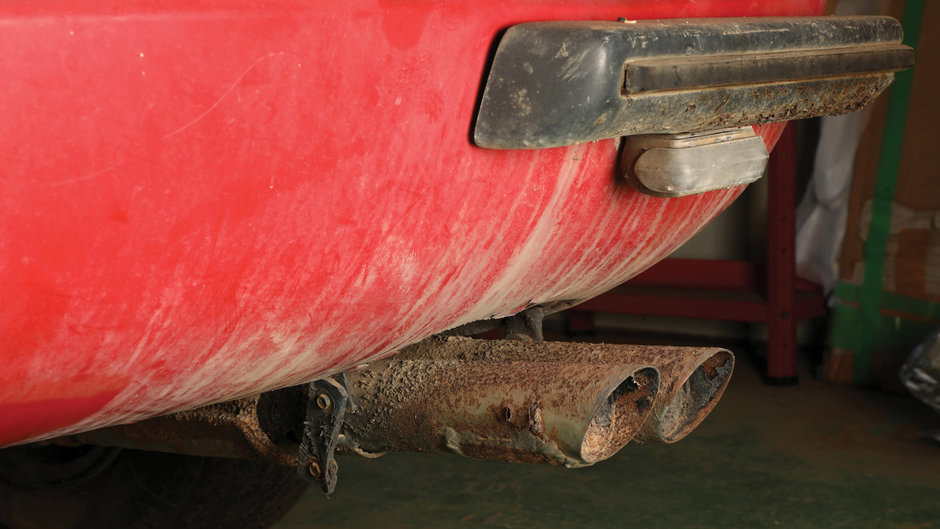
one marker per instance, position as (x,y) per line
(203,200)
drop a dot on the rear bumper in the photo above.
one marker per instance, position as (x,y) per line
(560,83)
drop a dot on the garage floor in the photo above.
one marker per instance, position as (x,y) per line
(807,456)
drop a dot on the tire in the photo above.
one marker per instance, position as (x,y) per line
(56,487)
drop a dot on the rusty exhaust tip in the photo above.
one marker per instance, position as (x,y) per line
(537,402)
(696,397)
(620,416)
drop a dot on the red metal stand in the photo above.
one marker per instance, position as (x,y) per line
(781,260)
(733,290)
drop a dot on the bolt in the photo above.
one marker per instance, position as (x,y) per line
(313,466)
(323,401)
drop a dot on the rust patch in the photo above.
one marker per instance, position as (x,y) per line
(620,417)
(536,420)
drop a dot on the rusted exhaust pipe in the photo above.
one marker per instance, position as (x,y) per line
(557,403)
(691,382)
(229,429)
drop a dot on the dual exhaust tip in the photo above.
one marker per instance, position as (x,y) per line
(566,404)
(539,402)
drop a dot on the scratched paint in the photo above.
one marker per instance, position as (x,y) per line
(198,207)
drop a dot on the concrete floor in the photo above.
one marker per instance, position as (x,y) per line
(808,456)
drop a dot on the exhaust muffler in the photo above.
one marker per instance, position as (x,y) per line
(537,402)
(571,404)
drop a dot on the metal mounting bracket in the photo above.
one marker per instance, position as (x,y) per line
(326,409)
(526,325)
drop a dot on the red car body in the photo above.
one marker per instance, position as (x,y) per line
(204,200)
